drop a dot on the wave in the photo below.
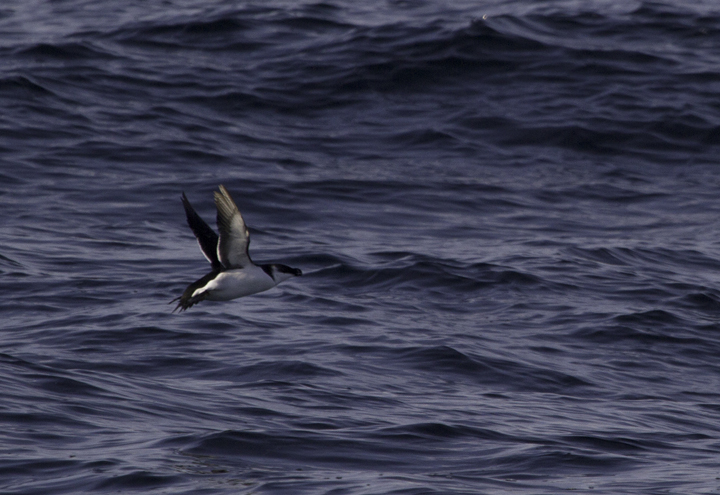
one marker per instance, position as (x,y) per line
(571,80)
(410,271)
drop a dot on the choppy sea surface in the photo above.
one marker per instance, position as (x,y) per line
(506,212)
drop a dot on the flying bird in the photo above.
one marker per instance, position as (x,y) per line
(233,273)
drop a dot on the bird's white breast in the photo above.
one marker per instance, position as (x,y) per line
(232,284)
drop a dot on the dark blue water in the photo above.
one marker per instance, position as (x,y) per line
(507,213)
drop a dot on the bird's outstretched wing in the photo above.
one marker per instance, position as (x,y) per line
(206,237)
(232,249)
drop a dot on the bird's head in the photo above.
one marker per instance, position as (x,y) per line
(283,272)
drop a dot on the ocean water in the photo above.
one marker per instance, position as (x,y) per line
(506,212)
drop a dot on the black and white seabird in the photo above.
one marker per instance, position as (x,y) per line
(233,273)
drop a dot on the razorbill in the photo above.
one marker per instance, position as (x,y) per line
(233,273)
